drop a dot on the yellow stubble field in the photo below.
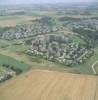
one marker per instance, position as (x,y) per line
(11,21)
(50,85)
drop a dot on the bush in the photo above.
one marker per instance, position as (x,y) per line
(6,77)
(6,65)
(17,70)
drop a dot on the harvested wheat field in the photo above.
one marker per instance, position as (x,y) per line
(15,20)
(50,85)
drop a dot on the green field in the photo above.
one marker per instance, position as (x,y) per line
(13,62)
(13,45)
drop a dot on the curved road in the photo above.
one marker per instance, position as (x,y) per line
(93,67)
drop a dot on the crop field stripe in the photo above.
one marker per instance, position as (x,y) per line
(35,83)
(57,89)
(96,91)
(39,87)
(50,85)
(43,88)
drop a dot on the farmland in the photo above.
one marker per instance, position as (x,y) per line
(11,21)
(10,67)
(13,62)
(50,85)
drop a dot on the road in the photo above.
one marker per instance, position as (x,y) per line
(93,67)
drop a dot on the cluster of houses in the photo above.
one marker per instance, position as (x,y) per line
(28,30)
(59,48)
(70,22)
(49,45)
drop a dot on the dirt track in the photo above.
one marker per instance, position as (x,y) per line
(46,85)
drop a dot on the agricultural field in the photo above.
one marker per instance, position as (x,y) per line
(19,19)
(12,45)
(11,21)
(50,85)
(13,62)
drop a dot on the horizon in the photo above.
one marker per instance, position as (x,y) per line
(15,2)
